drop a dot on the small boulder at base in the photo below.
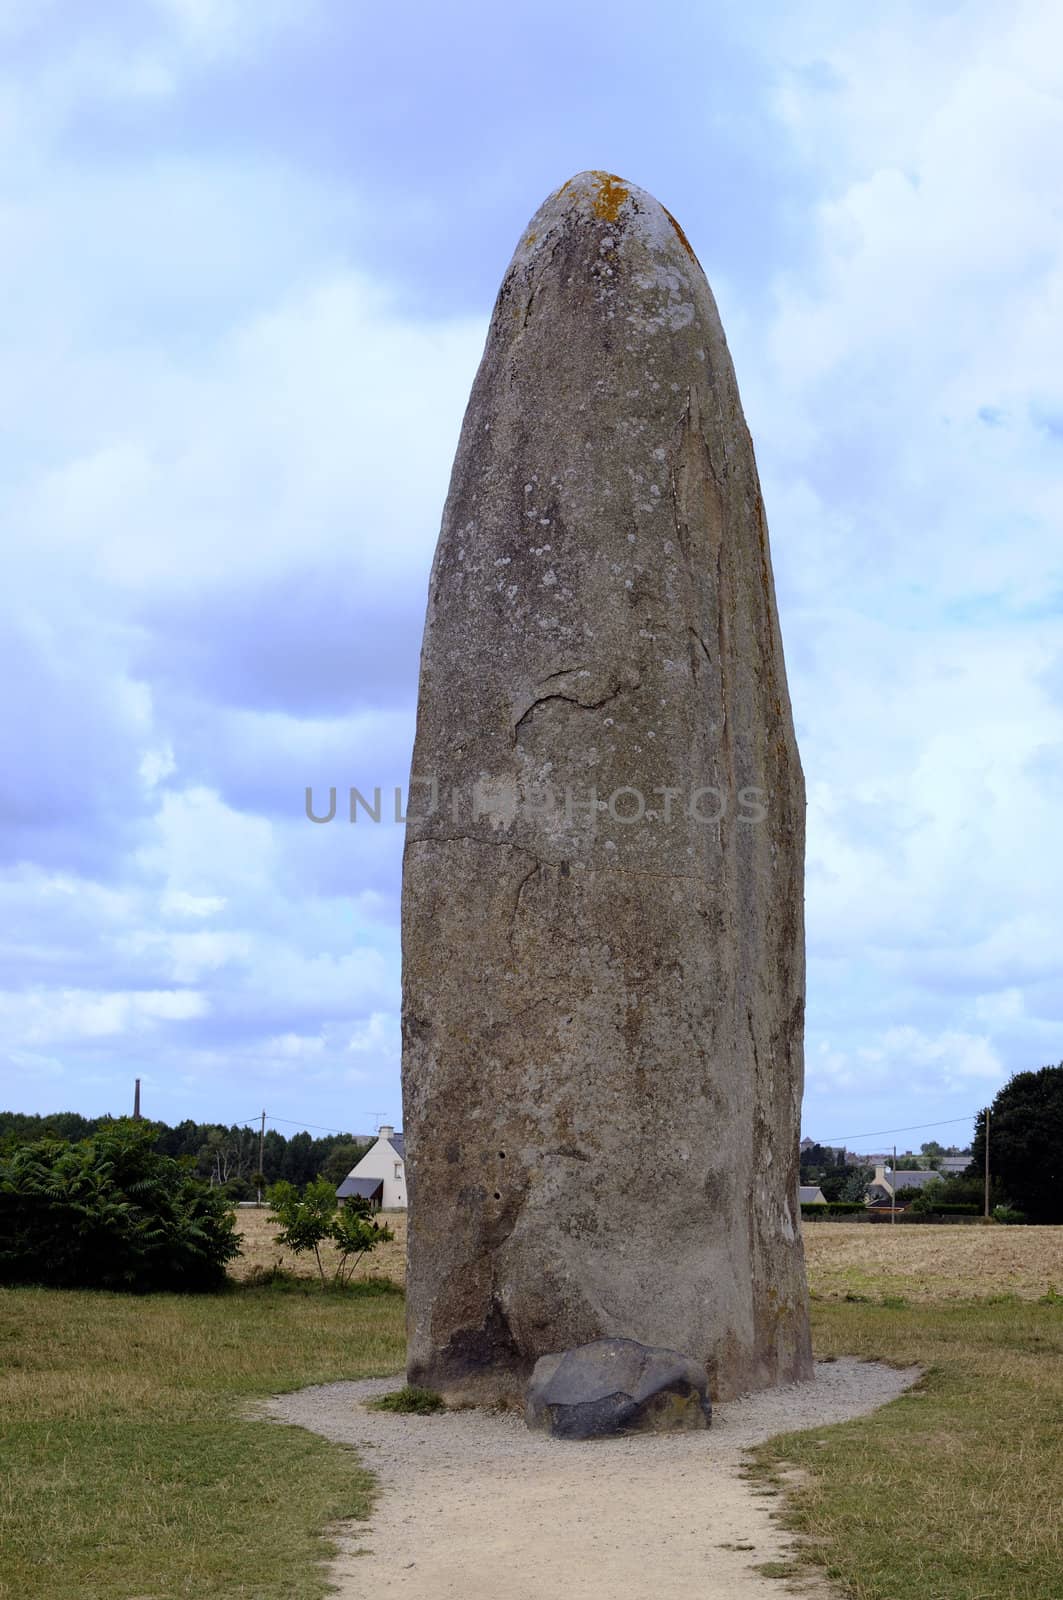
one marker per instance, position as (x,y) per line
(615,1386)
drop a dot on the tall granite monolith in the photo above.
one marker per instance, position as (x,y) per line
(603,943)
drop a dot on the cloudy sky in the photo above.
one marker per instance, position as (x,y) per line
(249,253)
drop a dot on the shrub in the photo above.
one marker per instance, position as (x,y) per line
(1007,1214)
(111,1213)
(310,1219)
(831,1208)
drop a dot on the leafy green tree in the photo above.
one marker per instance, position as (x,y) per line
(832,1182)
(928,1199)
(297,1165)
(311,1219)
(856,1183)
(343,1156)
(273,1156)
(110,1212)
(1026,1143)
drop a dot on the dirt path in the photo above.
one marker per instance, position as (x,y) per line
(473,1507)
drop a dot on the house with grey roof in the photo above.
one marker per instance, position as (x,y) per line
(883,1188)
(810,1194)
(380,1176)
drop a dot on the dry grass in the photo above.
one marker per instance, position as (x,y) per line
(927,1263)
(951,1492)
(918,1262)
(131,1465)
(257,1230)
(124,1428)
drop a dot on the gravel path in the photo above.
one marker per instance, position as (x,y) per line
(474,1507)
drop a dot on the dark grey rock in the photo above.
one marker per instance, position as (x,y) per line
(616,1386)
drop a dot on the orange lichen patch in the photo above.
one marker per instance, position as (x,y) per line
(610,197)
(683,240)
(530,238)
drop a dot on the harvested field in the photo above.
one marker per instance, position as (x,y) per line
(928,1262)
(257,1228)
(917,1262)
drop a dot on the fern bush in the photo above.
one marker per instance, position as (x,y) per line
(111,1213)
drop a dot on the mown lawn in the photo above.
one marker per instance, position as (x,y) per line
(955,1491)
(129,1469)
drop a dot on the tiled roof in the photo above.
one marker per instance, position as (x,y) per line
(364,1188)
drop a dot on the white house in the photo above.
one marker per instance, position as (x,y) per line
(882,1188)
(380,1176)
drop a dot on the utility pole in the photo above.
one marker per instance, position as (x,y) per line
(136,1101)
(261,1155)
(986,1210)
(893,1187)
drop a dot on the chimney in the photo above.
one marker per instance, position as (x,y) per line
(385,1131)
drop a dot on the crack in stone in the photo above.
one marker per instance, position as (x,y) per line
(532,872)
(700,640)
(572,700)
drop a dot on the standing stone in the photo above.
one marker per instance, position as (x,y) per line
(603,942)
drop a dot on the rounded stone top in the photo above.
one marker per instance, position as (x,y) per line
(598,198)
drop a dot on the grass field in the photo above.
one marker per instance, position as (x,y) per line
(954,1491)
(929,1263)
(132,1469)
(922,1262)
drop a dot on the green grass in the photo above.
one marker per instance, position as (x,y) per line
(953,1491)
(410,1399)
(130,1468)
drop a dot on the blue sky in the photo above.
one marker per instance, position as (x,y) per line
(249,256)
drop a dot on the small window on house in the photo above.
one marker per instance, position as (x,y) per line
(398,1169)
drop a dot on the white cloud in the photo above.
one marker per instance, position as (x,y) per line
(208,393)
(1005,1005)
(56,1015)
(378,1035)
(897,398)
(295,1046)
(922,1062)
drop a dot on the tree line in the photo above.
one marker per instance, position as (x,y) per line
(1025,1158)
(227,1158)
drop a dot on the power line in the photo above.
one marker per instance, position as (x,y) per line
(292,1122)
(880,1133)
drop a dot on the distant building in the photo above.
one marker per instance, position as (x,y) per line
(883,1188)
(813,1144)
(380,1176)
(954,1166)
(810,1194)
